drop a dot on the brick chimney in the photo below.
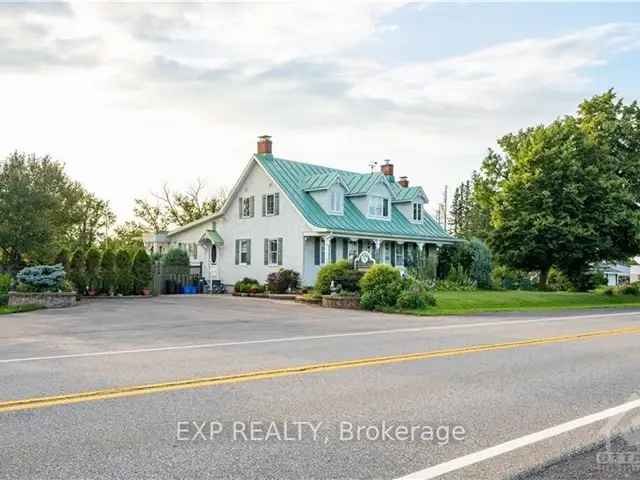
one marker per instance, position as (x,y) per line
(264,144)
(387,168)
(404,182)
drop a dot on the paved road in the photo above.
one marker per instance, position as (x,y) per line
(487,385)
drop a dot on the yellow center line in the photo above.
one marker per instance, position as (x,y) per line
(129,391)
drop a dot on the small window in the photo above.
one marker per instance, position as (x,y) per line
(244,252)
(273,252)
(337,202)
(214,254)
(417,212)
(271,204)
(246,207)
(378,207)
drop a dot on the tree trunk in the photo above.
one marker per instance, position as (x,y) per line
(544,275)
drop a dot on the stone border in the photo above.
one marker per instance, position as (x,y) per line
(43,299)
(337,301)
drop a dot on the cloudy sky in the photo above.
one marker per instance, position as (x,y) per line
(129,95)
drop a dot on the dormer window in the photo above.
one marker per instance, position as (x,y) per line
(378,207)
(417,212)
(336,202)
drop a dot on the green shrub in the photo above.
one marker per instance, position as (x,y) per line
(481,263)
(124,282)
(380,287)
(558,281)
(343,276)
(509,279)
(250,288)
(4,299)
(244,285)
(5,283)
(415,295)
(76,271)
(422,266)
(42,278)
(108,271)
(141,271)
(283,280)
(629,289)
(176,261)
(92,268)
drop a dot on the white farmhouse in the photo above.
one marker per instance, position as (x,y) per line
(286,214)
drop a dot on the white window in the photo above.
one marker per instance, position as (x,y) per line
(399,255)
(417,212)
(386,253)
(246,207)
(352,251)
(244,252)
(273,252)
(270,207)
(378,207)
(337,202)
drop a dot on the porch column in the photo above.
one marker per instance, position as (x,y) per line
(420,248)
(327,249)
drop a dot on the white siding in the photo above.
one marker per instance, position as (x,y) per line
(288,225)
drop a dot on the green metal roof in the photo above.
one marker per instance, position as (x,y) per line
(321,181)
(214,237)
(297,178)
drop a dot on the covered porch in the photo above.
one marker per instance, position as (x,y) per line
(397,252)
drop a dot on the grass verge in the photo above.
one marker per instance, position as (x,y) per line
(19,309)
(460,303)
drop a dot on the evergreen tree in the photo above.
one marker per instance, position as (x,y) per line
(108,271)
(77,272)
(124,281)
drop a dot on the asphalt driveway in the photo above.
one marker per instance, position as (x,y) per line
(500,378)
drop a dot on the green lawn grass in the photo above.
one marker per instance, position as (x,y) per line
(19,309)
(455,303)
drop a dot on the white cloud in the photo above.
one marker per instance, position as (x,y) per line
(129,95)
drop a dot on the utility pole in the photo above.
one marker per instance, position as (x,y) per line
(446,206)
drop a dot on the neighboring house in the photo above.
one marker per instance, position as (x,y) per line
(616,273)
(286,214)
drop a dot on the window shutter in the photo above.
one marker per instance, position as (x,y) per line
(237,252)
(405,251)
(240,207)
(279,250)
(345,248)
(248,252)
(266,250)
(393,253)
(334,247)
(385,207)
(264,205)
(359,247)
(276,204)
(252,205)
(316,250)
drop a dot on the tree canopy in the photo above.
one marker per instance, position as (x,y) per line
(566,194)
(173,208)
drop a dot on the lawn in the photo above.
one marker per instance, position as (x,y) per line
(18,309)
(451,303)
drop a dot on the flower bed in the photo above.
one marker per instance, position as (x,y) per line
(43,299)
